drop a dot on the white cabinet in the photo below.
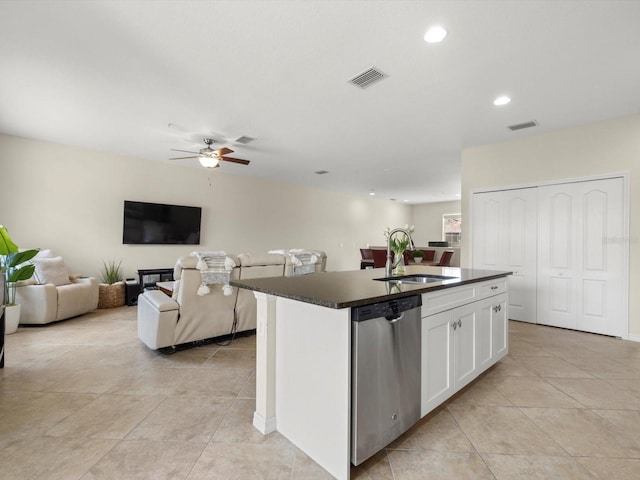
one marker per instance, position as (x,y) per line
(437,360)
(492,331)
(461,342)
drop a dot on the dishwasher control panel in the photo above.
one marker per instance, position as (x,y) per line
(386,308)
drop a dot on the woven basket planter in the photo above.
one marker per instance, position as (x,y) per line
(110,296)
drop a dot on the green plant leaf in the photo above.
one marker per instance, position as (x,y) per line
(16,258)
(6,244)
(24,273)
(111,273)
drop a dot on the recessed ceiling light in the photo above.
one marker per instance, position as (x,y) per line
(435,34)
(372,193)
(502,100)
(405,200)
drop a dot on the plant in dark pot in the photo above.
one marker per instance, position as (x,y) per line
(111,293)
(14,268)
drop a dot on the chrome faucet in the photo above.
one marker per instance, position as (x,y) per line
(391,264)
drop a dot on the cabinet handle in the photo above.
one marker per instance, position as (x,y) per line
(459,323)
(454,325)
(494,287)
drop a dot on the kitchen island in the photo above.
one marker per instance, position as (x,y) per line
(304,347)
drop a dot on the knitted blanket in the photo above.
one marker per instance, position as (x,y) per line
(215,269)
(303,261)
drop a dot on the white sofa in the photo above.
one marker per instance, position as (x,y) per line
(186,317)
(53,294)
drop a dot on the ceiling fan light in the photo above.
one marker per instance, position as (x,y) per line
(208,162)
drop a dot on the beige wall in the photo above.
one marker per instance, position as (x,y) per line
(601,148)
(427,218)
(71,200)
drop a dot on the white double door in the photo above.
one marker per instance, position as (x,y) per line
(564,245)
(504,238)
(580,256)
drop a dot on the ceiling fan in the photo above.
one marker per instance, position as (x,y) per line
(210,158)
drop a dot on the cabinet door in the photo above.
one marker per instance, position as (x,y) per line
(437,354)
(499,328)
(484,347)
(464,344)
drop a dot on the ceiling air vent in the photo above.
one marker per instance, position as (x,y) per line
(366,78)
(520,126)
(244,139)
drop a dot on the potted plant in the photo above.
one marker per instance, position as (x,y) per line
(14,269)
(111,293)
(418,256)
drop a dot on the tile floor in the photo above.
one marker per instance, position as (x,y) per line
(84,399)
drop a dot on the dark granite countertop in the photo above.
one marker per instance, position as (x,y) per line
(355,288)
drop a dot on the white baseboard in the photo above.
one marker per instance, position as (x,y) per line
(264,425)
(634,338)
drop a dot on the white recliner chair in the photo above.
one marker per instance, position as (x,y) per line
(54,294)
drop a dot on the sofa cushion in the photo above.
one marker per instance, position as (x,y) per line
(51,270)
(76,298)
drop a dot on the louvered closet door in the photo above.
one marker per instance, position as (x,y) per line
(580,227)
(504,238)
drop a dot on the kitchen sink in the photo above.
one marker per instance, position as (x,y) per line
(416,279)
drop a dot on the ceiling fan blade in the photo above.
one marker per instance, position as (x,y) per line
(185,151)
(182,158)
(235,160)
(224,151)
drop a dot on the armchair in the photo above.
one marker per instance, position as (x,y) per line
(58,296)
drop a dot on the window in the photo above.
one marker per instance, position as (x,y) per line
(451,228)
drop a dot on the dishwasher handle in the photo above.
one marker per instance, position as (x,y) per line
(394,318)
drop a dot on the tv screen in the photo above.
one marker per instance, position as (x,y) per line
(155,223)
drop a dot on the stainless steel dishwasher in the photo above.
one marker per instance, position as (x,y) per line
(385,373)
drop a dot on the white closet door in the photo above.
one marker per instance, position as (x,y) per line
(557,255)
(487,228)
(580,256)
(504,238)
(519,251)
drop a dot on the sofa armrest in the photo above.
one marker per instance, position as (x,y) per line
(157,318)
(39,303)
(160,301)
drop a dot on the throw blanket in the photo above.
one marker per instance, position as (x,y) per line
(215,268)
(303,262)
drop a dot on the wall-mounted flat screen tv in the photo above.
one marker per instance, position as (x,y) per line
(157,223)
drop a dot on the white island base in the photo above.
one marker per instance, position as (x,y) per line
(303,363)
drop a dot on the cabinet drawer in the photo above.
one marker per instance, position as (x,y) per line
(491,288)
(447,299)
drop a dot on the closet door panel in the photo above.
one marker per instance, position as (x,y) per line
(518,247)
(557,255)
(601,251)
(504,238)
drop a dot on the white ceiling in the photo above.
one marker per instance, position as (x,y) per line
(113,76)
